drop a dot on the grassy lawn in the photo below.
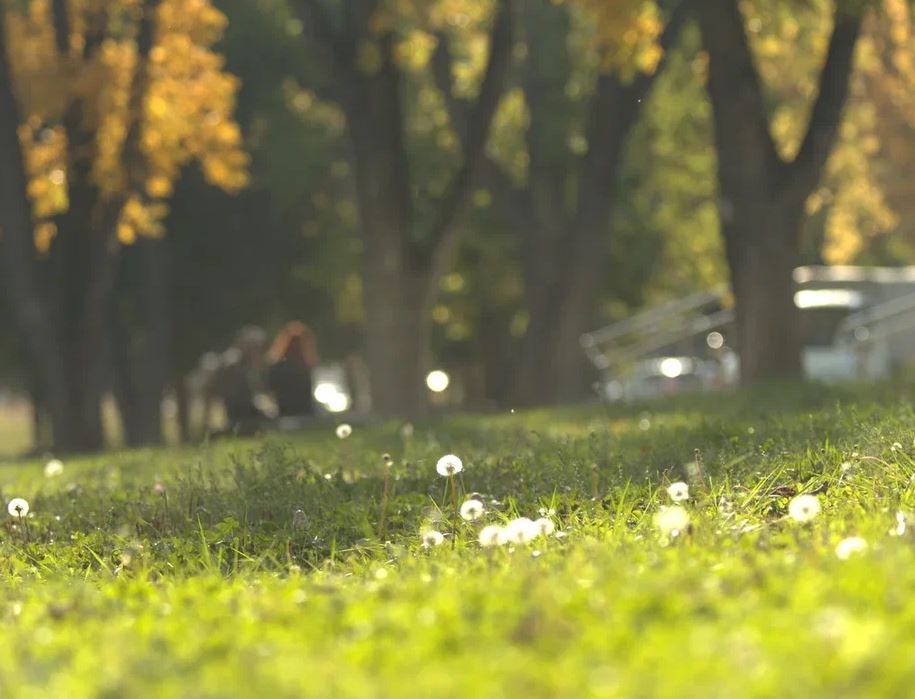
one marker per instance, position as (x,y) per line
(190,573)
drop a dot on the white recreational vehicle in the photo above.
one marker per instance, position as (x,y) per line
(856,323)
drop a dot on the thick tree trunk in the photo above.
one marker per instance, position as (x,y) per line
(562,271)
(402,268)
(576,312)
(763,195)
(393,294)
(762,254)
(395,331)
(183,405)
(17,257)
(153,366)
(535,377)
(124,390)
(495,348)
(80,313)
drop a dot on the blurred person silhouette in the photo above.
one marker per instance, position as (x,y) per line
(241,383)
(293,356)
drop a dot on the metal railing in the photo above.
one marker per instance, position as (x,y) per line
(879,321)
(612,347)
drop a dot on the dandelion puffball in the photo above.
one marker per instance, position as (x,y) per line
(678,491)
(18,507)
(804,508)
(344,431)
(472,510)
(850,546)
(432,538)
(53,468)
(544,526)
(449,465)
(492,535)
(671,520)
(521,531)
(899,529)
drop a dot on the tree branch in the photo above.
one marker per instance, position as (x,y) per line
(514,203)
(440,66)
(615,110)
(132,158)
(741,120)
(60,15)
(17,248)
(804,172)
(315,18)
(445,233)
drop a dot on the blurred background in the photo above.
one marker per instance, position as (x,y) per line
(212,208)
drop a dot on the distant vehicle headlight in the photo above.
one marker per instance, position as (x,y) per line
(437,381)
(671,367)
(325,393)
(339,403)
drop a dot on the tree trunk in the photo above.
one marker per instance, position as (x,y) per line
(495,348)
(562,271)
(393,293)
(80,313)
(395,333)
(125,391)
(576,313)
(183,405)
(153,366)
(762,195)
(762,254)
(542,287)
(17,257)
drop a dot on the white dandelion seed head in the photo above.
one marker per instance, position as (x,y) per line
(804,508)
(521,530)
(406,431)
(671,521)
(449,465)
(53,468)
(492,535)
(546,512)
(344,431)
(431,538)
(472,510)
(899,529)
(850,546)
(678,491)
(544,526)
(299,519)
(896,447)
(18,507)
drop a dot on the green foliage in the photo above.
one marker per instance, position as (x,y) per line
(211,586)
(668,208)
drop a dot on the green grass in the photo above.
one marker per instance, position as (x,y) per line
(208,586)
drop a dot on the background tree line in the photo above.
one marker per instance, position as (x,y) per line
(475,182)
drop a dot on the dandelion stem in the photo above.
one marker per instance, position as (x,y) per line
(454,502)
(24,525)
(595,483)
(700,474)
(384,499)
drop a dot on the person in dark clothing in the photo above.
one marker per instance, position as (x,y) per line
(239,383)
(293,356)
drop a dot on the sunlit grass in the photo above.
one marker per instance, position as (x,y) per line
(257,568)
